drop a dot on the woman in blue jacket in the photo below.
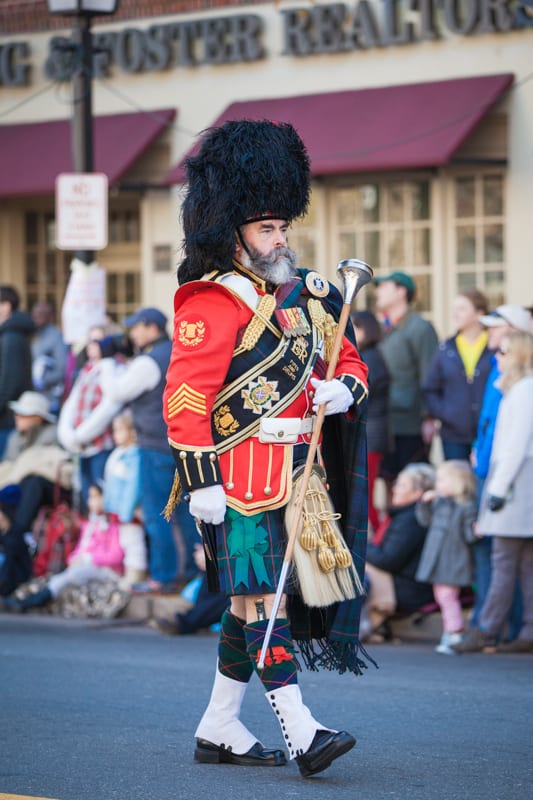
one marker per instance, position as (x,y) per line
(456,378)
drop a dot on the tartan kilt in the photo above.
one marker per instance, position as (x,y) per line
(249,553)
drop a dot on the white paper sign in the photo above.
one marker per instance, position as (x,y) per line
(81,211)
(85,301)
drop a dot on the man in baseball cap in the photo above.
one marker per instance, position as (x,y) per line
(141,387)
(407,346)
(147,316)
(400,279)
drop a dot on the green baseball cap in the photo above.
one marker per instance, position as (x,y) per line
(400,279)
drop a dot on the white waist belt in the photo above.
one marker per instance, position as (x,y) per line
(284,430)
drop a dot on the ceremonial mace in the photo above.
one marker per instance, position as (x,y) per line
(354,275)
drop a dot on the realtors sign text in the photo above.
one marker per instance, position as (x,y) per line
(331,28)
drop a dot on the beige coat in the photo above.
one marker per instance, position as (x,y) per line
(37,454)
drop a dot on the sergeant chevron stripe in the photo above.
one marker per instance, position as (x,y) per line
(185,397)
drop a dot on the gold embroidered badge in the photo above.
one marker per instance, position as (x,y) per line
(224,421)
(260,394)
(191,334)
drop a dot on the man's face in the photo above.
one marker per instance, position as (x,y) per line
(497,334)
(41,314)
(142,334)
(26,422)
(388,294)
(266,253)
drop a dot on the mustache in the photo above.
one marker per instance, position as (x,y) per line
(279,254)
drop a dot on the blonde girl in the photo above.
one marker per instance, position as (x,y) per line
(449,512)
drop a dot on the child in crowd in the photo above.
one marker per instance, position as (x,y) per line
(122,495)
(449,511)
(97,556)
(112,544)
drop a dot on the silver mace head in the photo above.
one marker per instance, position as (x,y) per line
(354,275)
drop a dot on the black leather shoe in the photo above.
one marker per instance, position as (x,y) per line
(257,756)
(325,748)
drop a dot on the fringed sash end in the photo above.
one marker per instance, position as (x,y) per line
(340,657)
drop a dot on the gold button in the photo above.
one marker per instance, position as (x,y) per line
(230,485)
(249,496)
(281,434)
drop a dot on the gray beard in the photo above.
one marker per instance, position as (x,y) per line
(277,267)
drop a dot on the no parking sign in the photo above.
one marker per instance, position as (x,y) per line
(81,211)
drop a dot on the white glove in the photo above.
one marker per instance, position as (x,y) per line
(209,504)
(335,394)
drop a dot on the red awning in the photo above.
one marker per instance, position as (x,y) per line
(395,127)
(33,154)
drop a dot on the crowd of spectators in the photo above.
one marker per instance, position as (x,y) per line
(472,530)
(85,425)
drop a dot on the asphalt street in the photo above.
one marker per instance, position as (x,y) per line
(96,712)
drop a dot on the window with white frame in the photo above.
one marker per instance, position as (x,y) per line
(388,224)
(478,216)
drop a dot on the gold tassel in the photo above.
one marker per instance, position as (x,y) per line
(343,558)
(324,567)
(173,498)
(326,559)
(308,537)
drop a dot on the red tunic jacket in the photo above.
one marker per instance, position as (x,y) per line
(212,325)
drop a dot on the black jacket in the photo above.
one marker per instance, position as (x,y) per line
(15,362)
(399,553)
(378,422)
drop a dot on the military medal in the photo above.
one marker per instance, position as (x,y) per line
(292,321)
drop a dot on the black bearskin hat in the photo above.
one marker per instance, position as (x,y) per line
(244,171)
